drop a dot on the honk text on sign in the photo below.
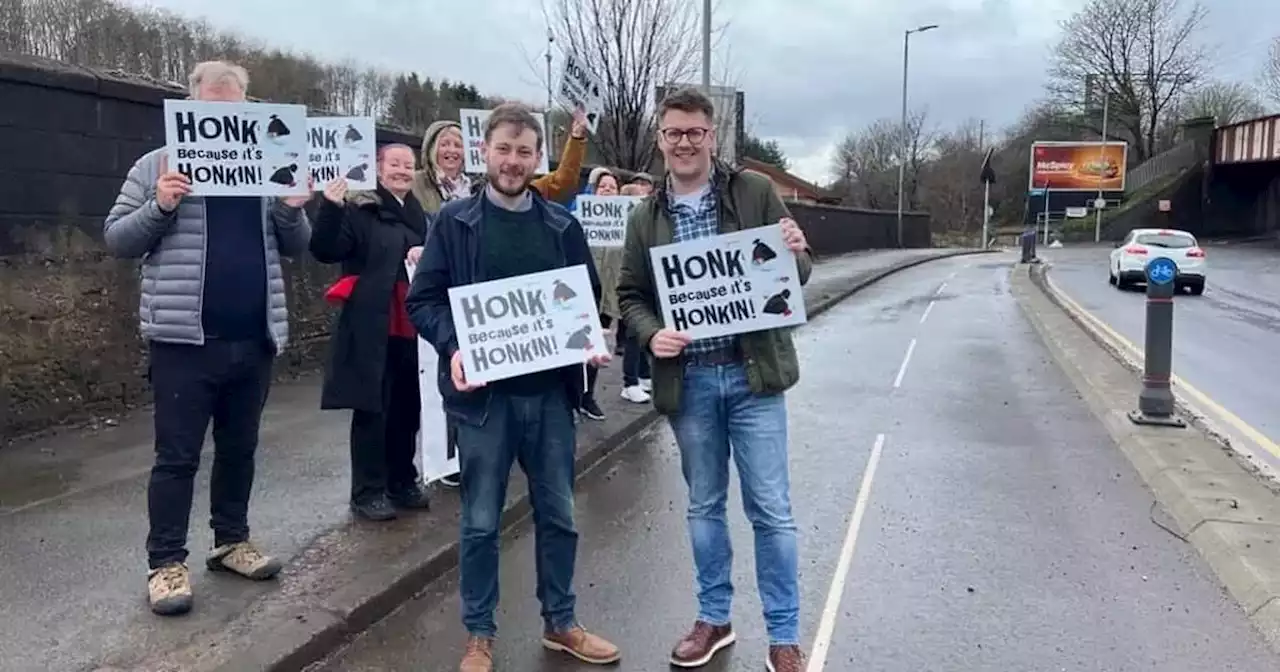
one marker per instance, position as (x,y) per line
(343,147)
(581,88)
(238,149)
(733,283)
(604,218)
(473,141)
(525,324)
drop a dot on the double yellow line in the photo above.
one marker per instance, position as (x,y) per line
(1199,399)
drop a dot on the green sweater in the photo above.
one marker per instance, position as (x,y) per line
(517,242)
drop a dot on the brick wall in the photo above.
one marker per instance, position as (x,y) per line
(69,348)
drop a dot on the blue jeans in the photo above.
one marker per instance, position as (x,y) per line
(718,410)
(538,432)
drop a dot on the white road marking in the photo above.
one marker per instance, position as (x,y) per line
(902,370)
(827,624)
(940,288)
(927,310)
(952,276)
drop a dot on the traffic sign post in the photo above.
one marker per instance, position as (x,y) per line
(1155,402)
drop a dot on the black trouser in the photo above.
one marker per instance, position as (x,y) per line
(635,365)
(383,444)
(223,381)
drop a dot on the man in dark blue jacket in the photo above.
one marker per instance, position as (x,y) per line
(504,231)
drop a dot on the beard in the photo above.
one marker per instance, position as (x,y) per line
(500,181)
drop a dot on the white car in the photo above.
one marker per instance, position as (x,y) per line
(1129,259)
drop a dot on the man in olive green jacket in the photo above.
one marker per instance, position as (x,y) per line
(720,393)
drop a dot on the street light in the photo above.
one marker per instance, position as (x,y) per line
(902,159)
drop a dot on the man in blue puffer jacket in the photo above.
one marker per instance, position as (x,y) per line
(214,315)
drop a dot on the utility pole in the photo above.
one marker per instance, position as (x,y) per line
(551,141)
(706,47)
(1102,155)
(902,158)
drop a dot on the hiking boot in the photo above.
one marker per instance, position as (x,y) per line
(584,646)
(479,655)
(245,559)
(412,496)
(591,409)
(785,659)
(702,643)
(169,589)
(374,508)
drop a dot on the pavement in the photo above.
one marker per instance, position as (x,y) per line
(960,507)
(1224,343)
(72,517)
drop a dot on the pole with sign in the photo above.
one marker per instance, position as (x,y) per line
(1155,402)
(988,177)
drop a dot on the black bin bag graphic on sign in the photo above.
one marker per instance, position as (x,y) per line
(285,175)
(777,304)
(353,136)
(580,339)
(357,172)
(276,128)
(762,253)
(562,293)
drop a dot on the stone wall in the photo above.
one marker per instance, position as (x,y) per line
(69,348)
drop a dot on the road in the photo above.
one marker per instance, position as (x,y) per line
(1001,529)
(1224,342)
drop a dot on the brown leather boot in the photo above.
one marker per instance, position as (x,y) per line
(785,659)
(479,655)
(701,644)
(584,646)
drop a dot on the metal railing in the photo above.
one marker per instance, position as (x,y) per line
(1166,163)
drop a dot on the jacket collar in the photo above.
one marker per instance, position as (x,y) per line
(551,214)
(721,174)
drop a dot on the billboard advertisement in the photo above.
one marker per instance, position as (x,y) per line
(1078,166)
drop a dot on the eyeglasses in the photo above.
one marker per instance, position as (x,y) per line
(695,135)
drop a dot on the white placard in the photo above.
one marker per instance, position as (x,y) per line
(343,147)
(579,87)
(528,323)
(238,149)
(604,218)
(733,283)
(473,141)
(436,456)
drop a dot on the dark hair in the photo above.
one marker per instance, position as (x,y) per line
(517,115)
(688,100)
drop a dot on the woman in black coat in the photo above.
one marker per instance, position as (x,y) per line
(373,367)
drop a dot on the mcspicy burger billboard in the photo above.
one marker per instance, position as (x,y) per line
(1078,166)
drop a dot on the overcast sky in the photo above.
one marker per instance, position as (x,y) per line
(811,70)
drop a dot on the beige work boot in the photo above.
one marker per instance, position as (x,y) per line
(584,646)
(169,589)
(245,559)
(479,655)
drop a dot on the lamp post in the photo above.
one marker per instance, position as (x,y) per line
(902,160)
(706,47)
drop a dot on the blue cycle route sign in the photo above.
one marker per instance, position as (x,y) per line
(1161,270)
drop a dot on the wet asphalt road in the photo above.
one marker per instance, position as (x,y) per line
(1224,342)
(1003,530)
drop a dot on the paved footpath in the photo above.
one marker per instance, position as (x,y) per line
(998,527)
(72,521)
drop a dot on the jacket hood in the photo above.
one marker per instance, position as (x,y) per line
(427,159)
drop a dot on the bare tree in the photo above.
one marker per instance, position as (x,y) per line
(866,163)
(1271,72)
(632,47)
(1144,53)
(1228,102)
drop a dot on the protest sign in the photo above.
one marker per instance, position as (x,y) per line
(473,141)
(238,149)
(437,456)
(579,87)
(729,284)
(528,323)
(604,218)
(343,147)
